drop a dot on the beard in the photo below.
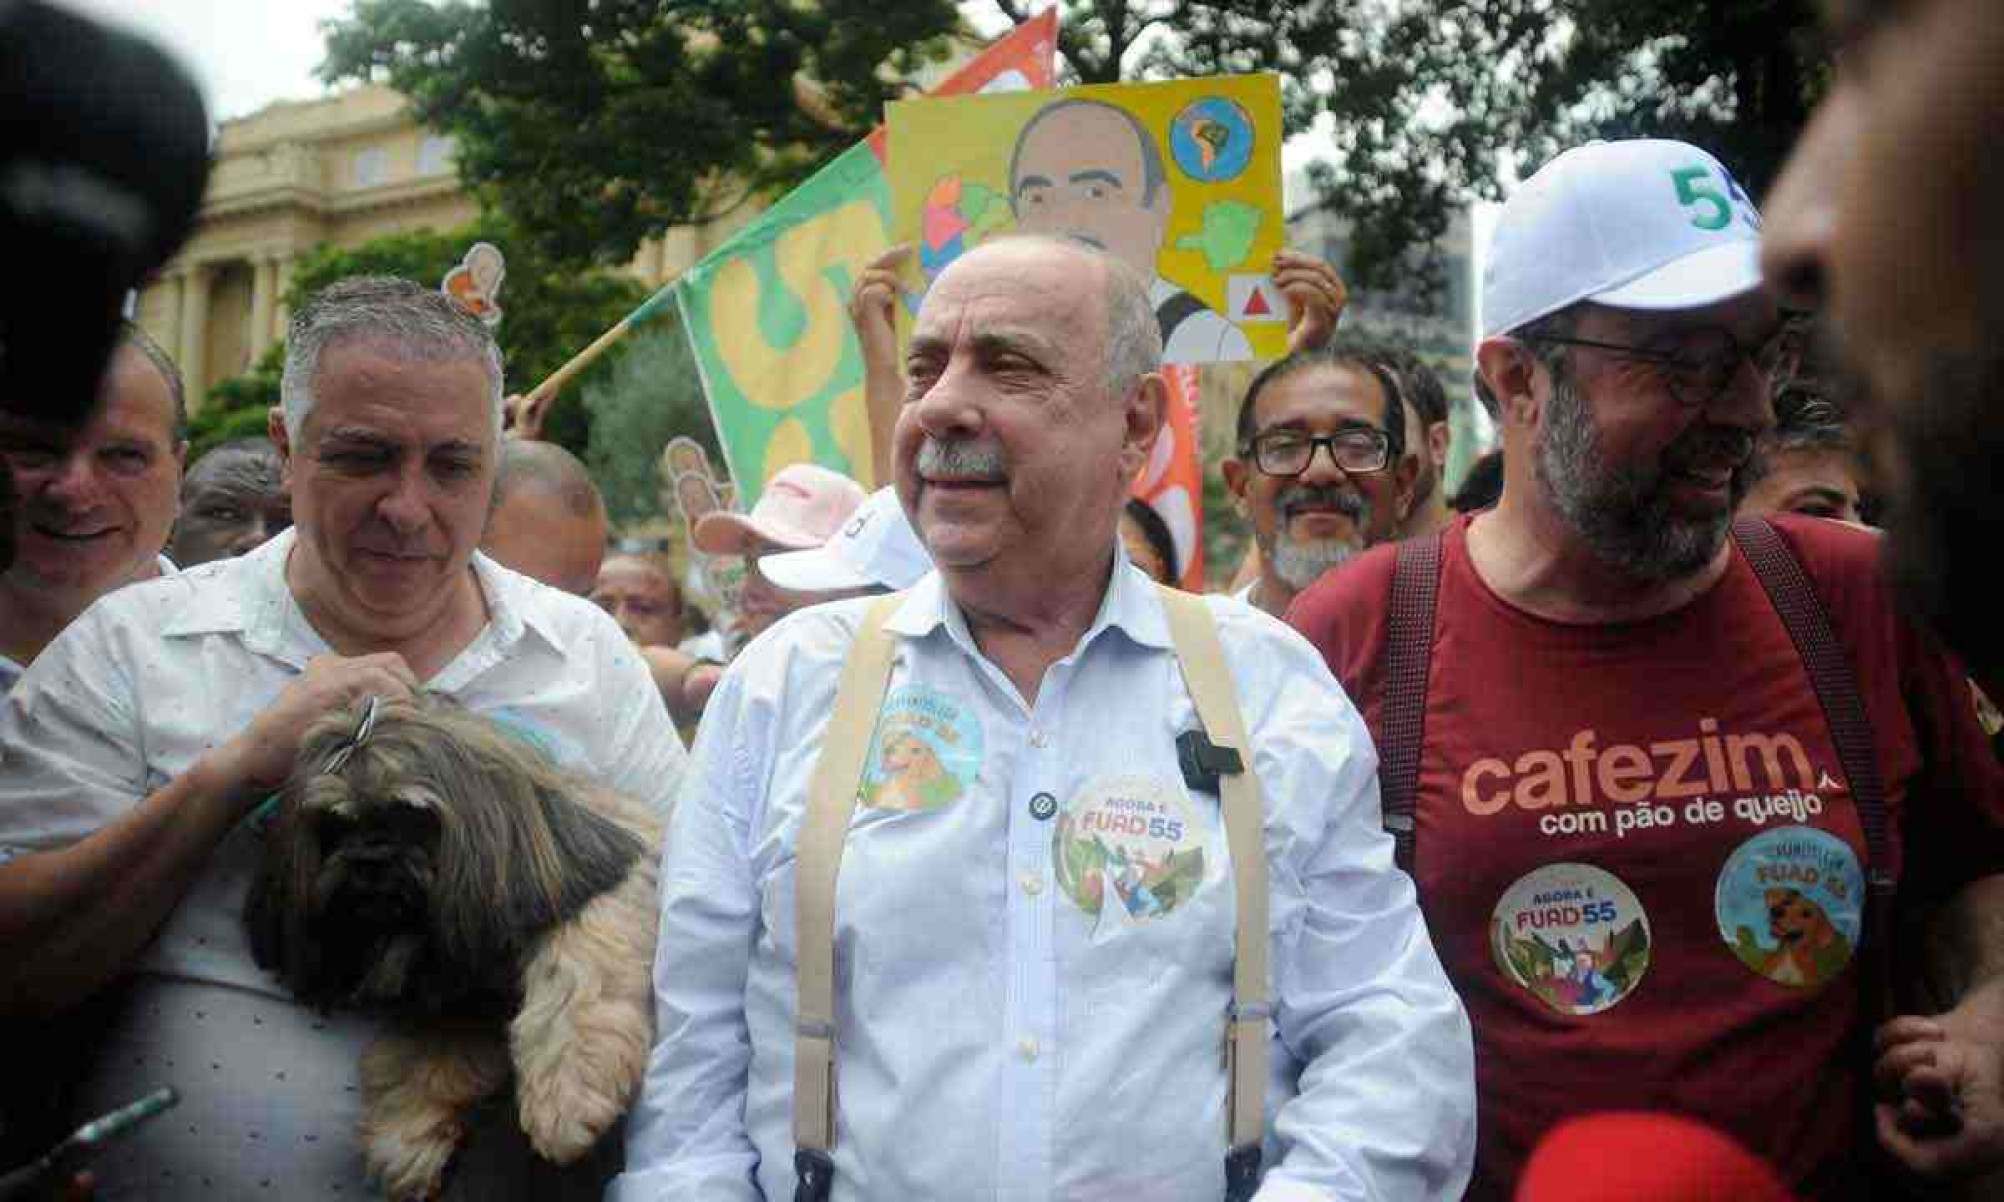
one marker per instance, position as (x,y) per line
(1941,515)
(1300,562)
(1625,514)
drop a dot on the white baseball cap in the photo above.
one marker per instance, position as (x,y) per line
(803,505)
(875,547)
(1640,224)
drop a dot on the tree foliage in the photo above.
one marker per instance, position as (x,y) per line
(550,310)
(653,394)
(593,124)
(1431,103)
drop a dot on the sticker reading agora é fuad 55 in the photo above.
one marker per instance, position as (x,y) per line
(1791,904)
(1131,839)
(925,754)
(1573,936)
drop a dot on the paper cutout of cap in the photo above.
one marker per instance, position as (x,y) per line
(875,547)
(802,506)
(1638,224)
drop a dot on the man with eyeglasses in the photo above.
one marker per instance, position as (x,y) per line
(1321,471)
(1656,775)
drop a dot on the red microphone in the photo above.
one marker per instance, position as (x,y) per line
(1641,1157)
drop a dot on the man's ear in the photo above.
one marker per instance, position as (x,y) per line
(1438,437)
(274,427)
(1146,414)
(1237,477)
(1404,473)
(1508,369)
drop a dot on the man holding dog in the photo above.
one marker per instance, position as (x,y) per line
(1033,944)
(138,753)
(1663,773)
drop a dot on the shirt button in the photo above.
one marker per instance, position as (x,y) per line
(1032,883)
(1039,739)
(1042,806)
(1026,1047)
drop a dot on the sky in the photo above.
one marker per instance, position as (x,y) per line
(244,53)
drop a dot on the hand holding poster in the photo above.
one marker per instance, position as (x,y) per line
(1181,180)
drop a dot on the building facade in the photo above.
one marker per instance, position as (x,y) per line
(297,174)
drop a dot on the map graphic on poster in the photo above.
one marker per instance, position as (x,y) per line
(1180,179)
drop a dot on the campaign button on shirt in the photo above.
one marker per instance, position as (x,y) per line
(1791,905)
(1128,841)
(1573,936)
(1042,806)
(926,752)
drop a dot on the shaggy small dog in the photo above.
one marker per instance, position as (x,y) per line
(430,867)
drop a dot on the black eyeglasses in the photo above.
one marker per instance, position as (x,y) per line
(1699,368)
(1359,450)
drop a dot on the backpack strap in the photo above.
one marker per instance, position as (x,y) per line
(1201,656)
(1402,695)
(1832,676)
(831,803)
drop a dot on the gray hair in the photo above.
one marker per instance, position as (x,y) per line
(1133,336)
(421,323)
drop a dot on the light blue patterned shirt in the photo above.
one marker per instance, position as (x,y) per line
(1034,932)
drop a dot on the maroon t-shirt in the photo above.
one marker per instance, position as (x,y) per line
(1637,851)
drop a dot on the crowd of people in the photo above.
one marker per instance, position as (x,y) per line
(1625,824)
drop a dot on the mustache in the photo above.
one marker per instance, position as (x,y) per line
(1344,501)
(965,458)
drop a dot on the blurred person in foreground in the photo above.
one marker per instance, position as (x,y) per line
(1031,716)
(1661,869)
(233,501)
(1887,218)
(93,512)
(548,521)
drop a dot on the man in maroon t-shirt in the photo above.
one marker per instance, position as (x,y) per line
(1635,837)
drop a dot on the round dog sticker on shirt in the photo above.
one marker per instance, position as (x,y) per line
(1130,841)
(1573,936)
(925,754)
(1791,904)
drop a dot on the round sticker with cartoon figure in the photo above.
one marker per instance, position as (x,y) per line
(925,754)
(1791,905)
(1573,936)
(1131,839)
(1211,139)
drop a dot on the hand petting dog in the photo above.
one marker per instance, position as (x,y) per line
(431,867)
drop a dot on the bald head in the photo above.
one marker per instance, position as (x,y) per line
(548,520)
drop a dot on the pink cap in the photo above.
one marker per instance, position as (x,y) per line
(801,507)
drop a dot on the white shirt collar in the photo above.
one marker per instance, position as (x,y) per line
(263,610)
(1129,605)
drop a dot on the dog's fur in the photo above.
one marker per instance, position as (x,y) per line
(499,913)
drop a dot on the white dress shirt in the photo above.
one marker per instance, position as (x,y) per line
(10,671)
(1021,1013)
(126,699)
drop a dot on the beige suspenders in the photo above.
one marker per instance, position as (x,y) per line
(831,802)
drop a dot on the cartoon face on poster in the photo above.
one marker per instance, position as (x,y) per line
(1180,180)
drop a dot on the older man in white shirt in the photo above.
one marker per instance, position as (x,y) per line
(137,754)
(1034,931)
